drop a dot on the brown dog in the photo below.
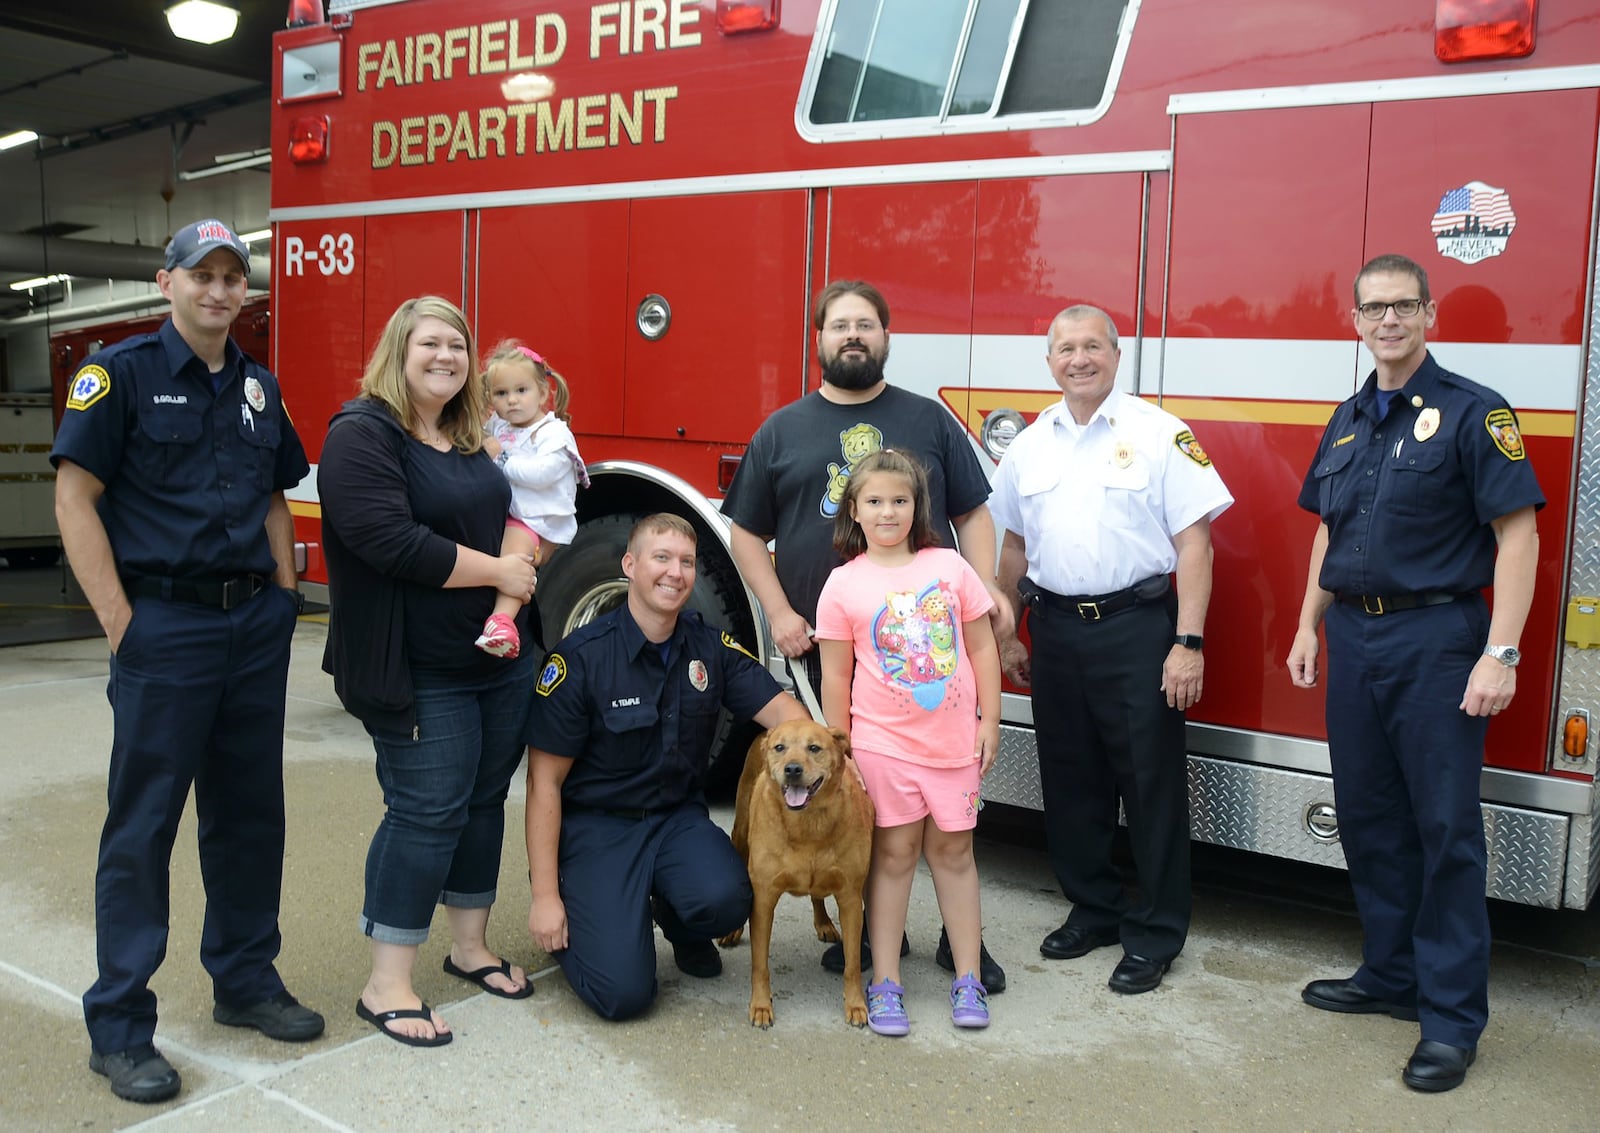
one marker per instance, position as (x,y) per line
(803,823)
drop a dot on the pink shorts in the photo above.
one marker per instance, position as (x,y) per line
(513,521)
(904,792)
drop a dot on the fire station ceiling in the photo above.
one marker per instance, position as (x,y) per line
(123,109)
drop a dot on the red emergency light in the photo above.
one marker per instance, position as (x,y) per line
(308,139)
(1464,30)
(735,16)
(303,12)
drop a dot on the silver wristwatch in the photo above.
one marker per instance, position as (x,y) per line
(1507,655)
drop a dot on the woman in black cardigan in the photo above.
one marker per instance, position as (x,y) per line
(413,512)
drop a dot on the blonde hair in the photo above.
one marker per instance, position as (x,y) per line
(461,419)
(509,351)
(659,524)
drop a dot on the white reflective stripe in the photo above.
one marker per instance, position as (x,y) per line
(1387,90)
(305,492)
(1543,376)
(1263,369)
(1132,161)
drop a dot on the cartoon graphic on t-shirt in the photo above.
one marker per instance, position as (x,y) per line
(916,638)
(855,443)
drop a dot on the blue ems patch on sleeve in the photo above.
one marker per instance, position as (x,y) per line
(89,385)
(553,673)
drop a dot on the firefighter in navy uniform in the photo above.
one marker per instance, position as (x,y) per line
(172,458)
(1426,497)
(619,735)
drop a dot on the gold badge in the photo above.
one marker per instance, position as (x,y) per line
(1427,424)
(1502,426)
(553,673)
(729,640)
(1122,455)
(1191,448)
(88,386)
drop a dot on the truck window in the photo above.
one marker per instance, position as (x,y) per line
(944,65)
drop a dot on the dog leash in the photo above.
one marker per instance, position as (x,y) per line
(802,685)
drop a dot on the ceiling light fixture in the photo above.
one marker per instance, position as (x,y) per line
(252,161)
(17,138)
(39,281)
(257,235)
(202,21)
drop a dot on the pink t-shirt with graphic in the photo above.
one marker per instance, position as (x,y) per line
(913,695)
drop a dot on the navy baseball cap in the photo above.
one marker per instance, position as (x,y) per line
(194,242)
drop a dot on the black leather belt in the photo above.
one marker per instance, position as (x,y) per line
(632,814)
(223,593)
(1375,605)
(1094,607)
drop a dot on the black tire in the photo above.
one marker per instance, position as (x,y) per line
(585,580)
(30,558)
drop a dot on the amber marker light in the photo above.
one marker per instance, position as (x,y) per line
(1575,736)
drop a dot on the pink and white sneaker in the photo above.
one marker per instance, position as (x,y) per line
(500,637)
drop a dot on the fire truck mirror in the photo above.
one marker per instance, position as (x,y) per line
(654,316)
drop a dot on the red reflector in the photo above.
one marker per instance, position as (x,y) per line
(735,16)
(308,139)
(1464,30)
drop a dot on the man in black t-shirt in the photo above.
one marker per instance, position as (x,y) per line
(790,483)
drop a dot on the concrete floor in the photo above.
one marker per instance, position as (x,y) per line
(1224,1044)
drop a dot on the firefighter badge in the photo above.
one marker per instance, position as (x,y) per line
(1122,455)
(553,673)
(255,395)
(1191,448)
(89,385)
(1502,426)
(1427,424)
(697,675)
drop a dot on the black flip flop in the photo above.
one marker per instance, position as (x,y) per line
(379,1019)
(480,976)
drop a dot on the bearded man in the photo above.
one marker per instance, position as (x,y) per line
(789,486)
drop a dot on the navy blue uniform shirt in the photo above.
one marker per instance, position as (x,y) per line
(189,459)
(1409,497)
(639,728)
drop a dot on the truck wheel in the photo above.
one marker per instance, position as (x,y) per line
(585,580)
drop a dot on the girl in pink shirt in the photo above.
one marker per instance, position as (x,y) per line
(910,669)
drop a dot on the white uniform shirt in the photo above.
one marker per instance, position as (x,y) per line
(1098,504)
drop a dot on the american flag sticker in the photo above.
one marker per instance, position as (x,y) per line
(1473,222)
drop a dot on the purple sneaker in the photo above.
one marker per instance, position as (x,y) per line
(886,1009)
(969,1003)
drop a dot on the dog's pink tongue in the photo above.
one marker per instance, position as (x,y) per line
(796,796)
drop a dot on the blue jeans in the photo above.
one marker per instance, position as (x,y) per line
(439,842)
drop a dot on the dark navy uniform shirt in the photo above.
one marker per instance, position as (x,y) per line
(639,728)
(189,459)
(1409,496)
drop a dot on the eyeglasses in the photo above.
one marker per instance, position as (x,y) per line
(1405,308)
(860,326)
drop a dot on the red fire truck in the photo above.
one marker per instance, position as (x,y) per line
(649,191)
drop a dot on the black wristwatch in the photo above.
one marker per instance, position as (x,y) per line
(299,601)
(1189,641)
